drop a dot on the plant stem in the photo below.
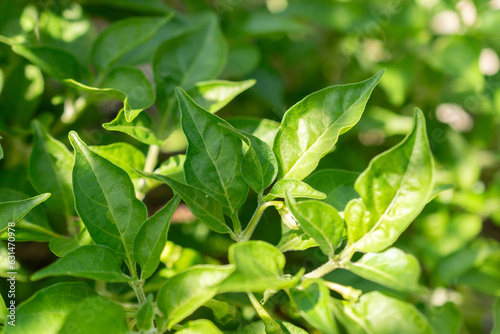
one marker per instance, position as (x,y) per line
(347,292)
(247,233)
(37,228)
(338,262)
(149,166)
(272,327)
(236,223)
(139,291)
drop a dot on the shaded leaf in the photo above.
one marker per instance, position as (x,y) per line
(338,185)
(139,128)
(145,315)
(296,188)
(225,314)
(496,315)
(15,211)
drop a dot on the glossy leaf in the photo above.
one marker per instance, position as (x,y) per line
(200,326)
(311,127)
(213,158)
(91,261)
(151,238)
(338,185)
(204,207)
(15,211)
(313,303)
(392,268)
(119,38)
(46,311)
(50,170)
(215,94)
(296,188)
(183,293)
(145,315)
(376,313)
(126,83)
(259,266)
(139,128)
(105,200)
(393,189)
(321,221)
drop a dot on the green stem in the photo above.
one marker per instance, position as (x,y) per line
(139,291)
(247,233)
(338,262)
(236,223)
(149,166)
(272,327)
(37,228)
(347,292)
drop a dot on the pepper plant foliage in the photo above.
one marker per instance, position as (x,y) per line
(113,255)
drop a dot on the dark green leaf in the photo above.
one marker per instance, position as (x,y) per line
(145,315)
(141,6)
(182,294)
(296,188)
(310,128)
(151,238)
(63,245)
(139,128)
(338,185)
(447,318)
(15,211)
(91,261)
(496,315)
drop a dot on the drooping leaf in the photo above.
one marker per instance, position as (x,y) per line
(105,200)
(15,211)
(321,221)
(46,311)
(183,293)
(338,185)
(259,266)
(96,312)
(122,36)
(311,127)
(204,207)
(393,189)
(392,268)
(296,188)
(139,128)
(90,261)
(201,326)
(126,83)
(145,315)
(151,238)
(50,170)
(313,303)
(213,158)
(376,313)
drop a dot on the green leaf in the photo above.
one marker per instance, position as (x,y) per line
(215,94)
(225,314)
(438,189)
(15,211)
(105,200)
(259,166)
(173,167)
(264,129)
(96,312)
(296,188)
(122,36)
(183,293)
(376,313)
(50,169)
(393,189)
(46,311)
(321,221)
(201,326)
(313,303)
(496,316)
(1,150)
(126,83)
(338,185)
(447,318)
(259,266)
(63,245)
(145,315)
(204,207)
(213,157)
(151,238)
(311,127)
(139,128)
(294,240)
(392,268)
(3,311)
(57,63)
(91,261)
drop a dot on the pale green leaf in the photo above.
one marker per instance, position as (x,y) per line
(139,128)
(201,326)
(338,185)
(145,315)
(3,310)
(294,240)
(215,94)
(296,188)
(225,314)
(15,211)
(311,127)
(264,129)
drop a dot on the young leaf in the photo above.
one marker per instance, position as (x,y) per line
(311,127)
(200,326)
(392,268)
(119,38)
(105,200)
(126,83)
(173,167)
(91,261)
(338,185)
(204,207)
(215,94)
(151,238)
(321,221)
(145,315)
(393,189)
(15,211)
(96,312)
(225,314)
(313,303)
(139,128)
(46,311)
(213,157)
(379,314)
(182,294)
(294,240)
(296,188)
(259,266)
(50,169)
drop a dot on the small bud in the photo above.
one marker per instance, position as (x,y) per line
(289,219)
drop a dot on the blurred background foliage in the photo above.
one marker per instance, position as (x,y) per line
(440,56)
